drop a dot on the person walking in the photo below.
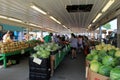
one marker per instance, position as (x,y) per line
(80,43)
(74,45)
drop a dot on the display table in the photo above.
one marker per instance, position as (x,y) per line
(57,56)
(3,56)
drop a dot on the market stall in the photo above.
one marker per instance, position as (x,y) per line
(103,63)
(15,49)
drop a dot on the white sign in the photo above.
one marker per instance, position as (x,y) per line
(37,60)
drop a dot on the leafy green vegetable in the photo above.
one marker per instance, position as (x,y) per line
(112,52)
(108,60)
(94,52)
(115,74)
(43,50)
(105,70)
(89,57)
(94,66)
(117,54)
(95,57)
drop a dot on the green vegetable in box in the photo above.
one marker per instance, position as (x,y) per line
(43,50)
(112,52)
(89,57)
(95,57)
(94,52)
(93,61)
(94,66)
(117,54)
(105,70)
(115,73)
(108,60)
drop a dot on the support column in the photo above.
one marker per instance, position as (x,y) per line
(118,31)
(41,34)
(100,33)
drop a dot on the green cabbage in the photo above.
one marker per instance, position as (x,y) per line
(94,66)
(89,57)
(108,60)
(115,74)
(105,70)
(112,52)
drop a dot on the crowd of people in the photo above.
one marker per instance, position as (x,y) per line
(77,43)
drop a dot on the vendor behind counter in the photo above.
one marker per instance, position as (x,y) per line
(7,37)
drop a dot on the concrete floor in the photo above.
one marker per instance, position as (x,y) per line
(69,69)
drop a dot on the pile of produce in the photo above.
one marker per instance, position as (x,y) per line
(33,43)
(43,50)
(105,60)
(13,46)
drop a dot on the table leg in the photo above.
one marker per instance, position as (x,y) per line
(52,64)
(5,62)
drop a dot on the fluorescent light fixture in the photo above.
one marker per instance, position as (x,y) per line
(108,5)
(64,26)
(38,9)
(39,26)
(4,17)
(89,26)
(97,17)
(49,29)
(16,20)
(55,20)
(32,24)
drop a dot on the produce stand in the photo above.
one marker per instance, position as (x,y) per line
(3,56)
(16,49)
(57,56)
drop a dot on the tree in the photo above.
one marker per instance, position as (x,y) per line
(107,26)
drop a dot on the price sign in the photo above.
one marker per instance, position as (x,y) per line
(37,61)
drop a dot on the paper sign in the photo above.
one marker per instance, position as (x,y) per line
(37,60)
(22,51)
(86,72)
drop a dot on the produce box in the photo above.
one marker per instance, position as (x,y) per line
(95,76)
(87,63)
(39,71)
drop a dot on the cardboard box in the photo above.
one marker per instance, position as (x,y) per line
(87,74)
(87,63)
(87,69)
(96,76)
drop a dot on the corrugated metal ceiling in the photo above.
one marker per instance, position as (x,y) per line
(57,8)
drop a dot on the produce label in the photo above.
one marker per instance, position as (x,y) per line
(37,61)
(22,51)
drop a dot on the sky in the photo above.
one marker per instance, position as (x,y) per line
(113,24)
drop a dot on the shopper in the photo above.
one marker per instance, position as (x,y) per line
(80,43)
(74,45)
(86,45)
(48,38)
(7,38)
(26,36)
